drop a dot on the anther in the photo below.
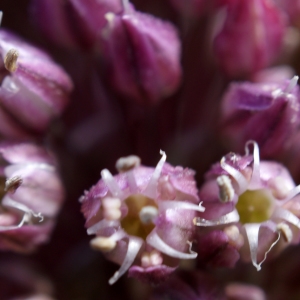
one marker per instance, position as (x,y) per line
(124,164)
(12,184)
(104,244)
(285,231)
(226,191)
(10,60)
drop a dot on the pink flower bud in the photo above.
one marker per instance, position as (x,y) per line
(265,112)
(136,223)
(143,55)
(250,36)
(77,22)
(34,90)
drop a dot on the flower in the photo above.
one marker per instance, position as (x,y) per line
(31,85)
(267,112)
(32,194)
(143,55)
(257,194)
(143,215)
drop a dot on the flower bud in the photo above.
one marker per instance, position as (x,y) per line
(264,112)
(31,197)
(143,55)
(34,90)
(78,23)
(250,36)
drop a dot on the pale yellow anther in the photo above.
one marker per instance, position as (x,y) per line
(124,164)
(226,191)
(152,258)
(103,244)
(234,236)
(10,60)
(285,231)
(111,208)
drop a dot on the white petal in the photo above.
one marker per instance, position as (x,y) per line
(237,175)
(170,204)
(287,216)
(151,188)
(231,217)
(100,225)
(252,231)
(156,242)
(255,178)
(111,183)
(134,246)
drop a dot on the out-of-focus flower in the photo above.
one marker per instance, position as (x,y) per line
(143,216)
(32,194)
(250,36)
(292,8)
(34,90)
(258,195)
(265,112)
(73,23)
(238,291)
(189,286)
(143,55)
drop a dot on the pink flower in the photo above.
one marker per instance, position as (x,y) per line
(143,216)
(31,199)
(258,196)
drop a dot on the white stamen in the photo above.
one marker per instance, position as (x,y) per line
(237,175)
(255,178)
(294,192)
(148,214)
(285,231)
(153,258)
(167,204)
(111,208)
(25,219)
(226,191)
(1,17)
(231,217)
(252,231)
(134,246)
(111,183)
(132,182)
(103,244)
(156,242)
(151,188)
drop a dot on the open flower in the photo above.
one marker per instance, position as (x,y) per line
(143,216)
(257,194)
(31,196)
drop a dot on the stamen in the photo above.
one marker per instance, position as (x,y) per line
(156,242)
(167,204)
(294,192)
(111,183)
(148,214)
(231,217)
(252,231)
(25,219)
(153,258)
(255,178)
(285,231)
(127,163)
(111,208)
(12,184)
(151,188)
(1,17)
(238,176)
(226,191)
(106,244)
(10,60)
(134,246)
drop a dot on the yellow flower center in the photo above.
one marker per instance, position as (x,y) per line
(142,212)
(255,206)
